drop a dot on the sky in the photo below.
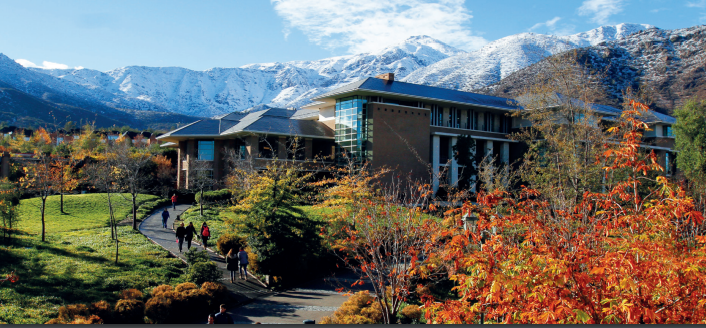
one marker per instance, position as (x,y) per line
(200,35)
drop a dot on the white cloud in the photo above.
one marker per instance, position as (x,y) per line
(370,25)
(601,10)
(696,4)
(45,64)
(551,27)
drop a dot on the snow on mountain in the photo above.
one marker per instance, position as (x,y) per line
(419,59)
(502,57)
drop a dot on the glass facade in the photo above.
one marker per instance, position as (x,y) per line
(205,150)
(352,128)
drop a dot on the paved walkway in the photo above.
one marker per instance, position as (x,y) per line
(250,301)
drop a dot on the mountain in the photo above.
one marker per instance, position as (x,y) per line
(667,64)
(33,98)
(502,57)
(221,90)
(419,59)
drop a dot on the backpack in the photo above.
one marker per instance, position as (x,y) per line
(206,233)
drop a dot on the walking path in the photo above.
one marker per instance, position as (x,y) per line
(251,300)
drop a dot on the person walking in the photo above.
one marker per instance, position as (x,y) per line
(180,234)
(211,319)
(232,263)
(243,264)
(189,235)
(174,201)
(205,234)
(223,317)
(165,217)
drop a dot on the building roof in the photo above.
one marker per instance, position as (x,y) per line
(277,121)
(423,92)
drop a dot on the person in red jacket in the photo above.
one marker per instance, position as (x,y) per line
(205,234)
(174,200)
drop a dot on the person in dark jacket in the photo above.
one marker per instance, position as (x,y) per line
(165,217)
(180,234)
(205,234)
(232,263)
(189,235)
(223,317)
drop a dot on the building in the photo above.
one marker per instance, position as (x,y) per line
(383,122)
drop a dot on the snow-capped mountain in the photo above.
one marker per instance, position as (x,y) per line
(500,58)
(420,59)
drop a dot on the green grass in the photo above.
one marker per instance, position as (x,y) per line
(77,262)
(84,211)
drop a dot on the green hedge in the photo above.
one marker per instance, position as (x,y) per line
(215,196)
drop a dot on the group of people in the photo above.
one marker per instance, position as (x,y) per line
(186,233)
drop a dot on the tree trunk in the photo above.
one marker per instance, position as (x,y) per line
(116,245)
(44,203)
(134,211)
(201,202)
(61,201)
(113,225)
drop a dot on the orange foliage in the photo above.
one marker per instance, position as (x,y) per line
(618,257)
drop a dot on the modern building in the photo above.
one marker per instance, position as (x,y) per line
(408,127)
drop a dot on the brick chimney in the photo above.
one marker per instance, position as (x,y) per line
(387,77)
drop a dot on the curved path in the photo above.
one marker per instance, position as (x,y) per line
(250,301)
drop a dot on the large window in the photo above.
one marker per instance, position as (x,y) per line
(205,150)
(437,115)
(352,128)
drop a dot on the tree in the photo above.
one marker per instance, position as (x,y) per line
(133,177)
(200,177)
(43,177)
(380,231)
(615,257)
(104,176)
(281,235)
(690,134)
(468,158)
(69,125)
(66,162)
(9,199)
(565,136)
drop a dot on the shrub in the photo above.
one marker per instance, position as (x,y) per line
(215,196)
(230,241)
(360,308)
(131,294)
(129,311)
(193,256)
(91,320)
(157,309)
(410,314)
(214,293)
(69,312)
(180,288)
(159,290)
(102,310)
(201,272)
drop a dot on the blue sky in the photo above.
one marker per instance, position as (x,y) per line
(199,35)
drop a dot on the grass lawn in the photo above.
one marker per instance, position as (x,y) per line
(77,263)
(84,211)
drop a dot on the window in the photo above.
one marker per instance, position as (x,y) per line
(666,164)
(489,120)
(59,140)
(112,137)
(351,129)
(454,119)
(667,131)
(205,150)
(436,115)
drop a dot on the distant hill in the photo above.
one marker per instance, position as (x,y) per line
(669,64)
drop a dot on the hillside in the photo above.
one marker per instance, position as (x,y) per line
(668,64)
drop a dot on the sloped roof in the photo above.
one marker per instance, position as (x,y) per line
(277,121)
(423,92)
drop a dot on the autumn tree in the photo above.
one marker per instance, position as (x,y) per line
(380,230)
(9,199)
(615,257)
(66,162)
(104,176)
(43,177)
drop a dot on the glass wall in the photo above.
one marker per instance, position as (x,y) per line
(352,128)
(205,150)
